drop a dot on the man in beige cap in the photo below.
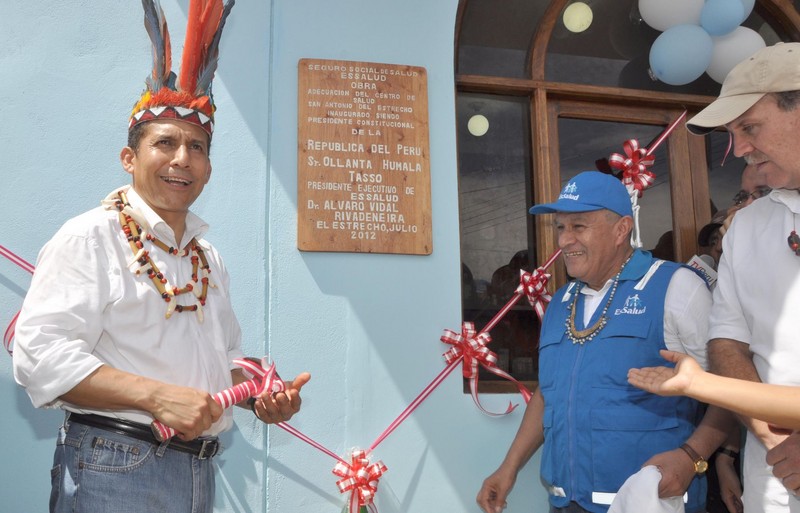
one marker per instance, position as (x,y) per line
(755,328)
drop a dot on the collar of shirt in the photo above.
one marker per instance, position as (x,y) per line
(637,267)
(788,197)
(195,226)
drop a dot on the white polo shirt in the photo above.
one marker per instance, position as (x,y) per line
(757,299)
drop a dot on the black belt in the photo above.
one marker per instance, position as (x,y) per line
(203,448)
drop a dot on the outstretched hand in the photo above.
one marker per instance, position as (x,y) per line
(667,380)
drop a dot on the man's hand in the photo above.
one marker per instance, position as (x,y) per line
(492,496)
(281,406)
(188,411)
(730,486)
(785,461)
(677,472)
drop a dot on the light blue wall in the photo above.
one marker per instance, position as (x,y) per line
(365,326)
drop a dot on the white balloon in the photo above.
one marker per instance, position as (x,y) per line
(664,14)
(731,49)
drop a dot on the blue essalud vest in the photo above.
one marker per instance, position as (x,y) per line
(598,429)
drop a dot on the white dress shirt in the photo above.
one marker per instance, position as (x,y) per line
(756,302)
(757,298)
(86,307)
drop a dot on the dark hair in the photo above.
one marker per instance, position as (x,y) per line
(135,135)
(787,100)
(704,237)
(137,131)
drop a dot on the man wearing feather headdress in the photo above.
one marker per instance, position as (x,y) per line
(128,319)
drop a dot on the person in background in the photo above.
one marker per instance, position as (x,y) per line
(753,187)
(710,241)
(128,318)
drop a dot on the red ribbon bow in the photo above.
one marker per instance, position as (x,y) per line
(634,165)
(534,286)
(471,346)
(360,479)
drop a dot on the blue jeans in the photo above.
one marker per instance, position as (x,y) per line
(97,471)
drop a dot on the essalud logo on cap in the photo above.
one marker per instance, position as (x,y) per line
(569,192)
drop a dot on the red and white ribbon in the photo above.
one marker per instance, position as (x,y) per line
(427,391)
(534,286)
(16,259)
(470,347)
(360,479)
(635,175)
(8,335)
(633,166)
(260,379)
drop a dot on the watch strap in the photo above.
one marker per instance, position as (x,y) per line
(728,452)
(700,464)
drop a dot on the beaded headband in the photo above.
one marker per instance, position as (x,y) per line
(186,97)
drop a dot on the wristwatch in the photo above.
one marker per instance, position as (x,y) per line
(700,465)
(728,452)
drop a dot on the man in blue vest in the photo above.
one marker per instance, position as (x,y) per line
(622,307)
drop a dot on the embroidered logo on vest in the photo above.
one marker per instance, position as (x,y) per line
(633,306)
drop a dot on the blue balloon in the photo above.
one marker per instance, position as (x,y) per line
(681,54)
(720,17)
(748,8)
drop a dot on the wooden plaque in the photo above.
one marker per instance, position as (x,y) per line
(363,164)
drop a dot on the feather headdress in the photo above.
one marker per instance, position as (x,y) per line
(186,97)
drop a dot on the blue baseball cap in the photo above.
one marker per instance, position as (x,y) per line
(588,191)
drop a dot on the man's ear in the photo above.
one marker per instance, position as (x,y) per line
(625,227)
(126,158)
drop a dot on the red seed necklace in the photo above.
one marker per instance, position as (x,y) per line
(135,234)
(794,242)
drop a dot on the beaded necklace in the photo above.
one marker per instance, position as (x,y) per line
(134,234)
(580,336)
(794,242)
(794,239)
